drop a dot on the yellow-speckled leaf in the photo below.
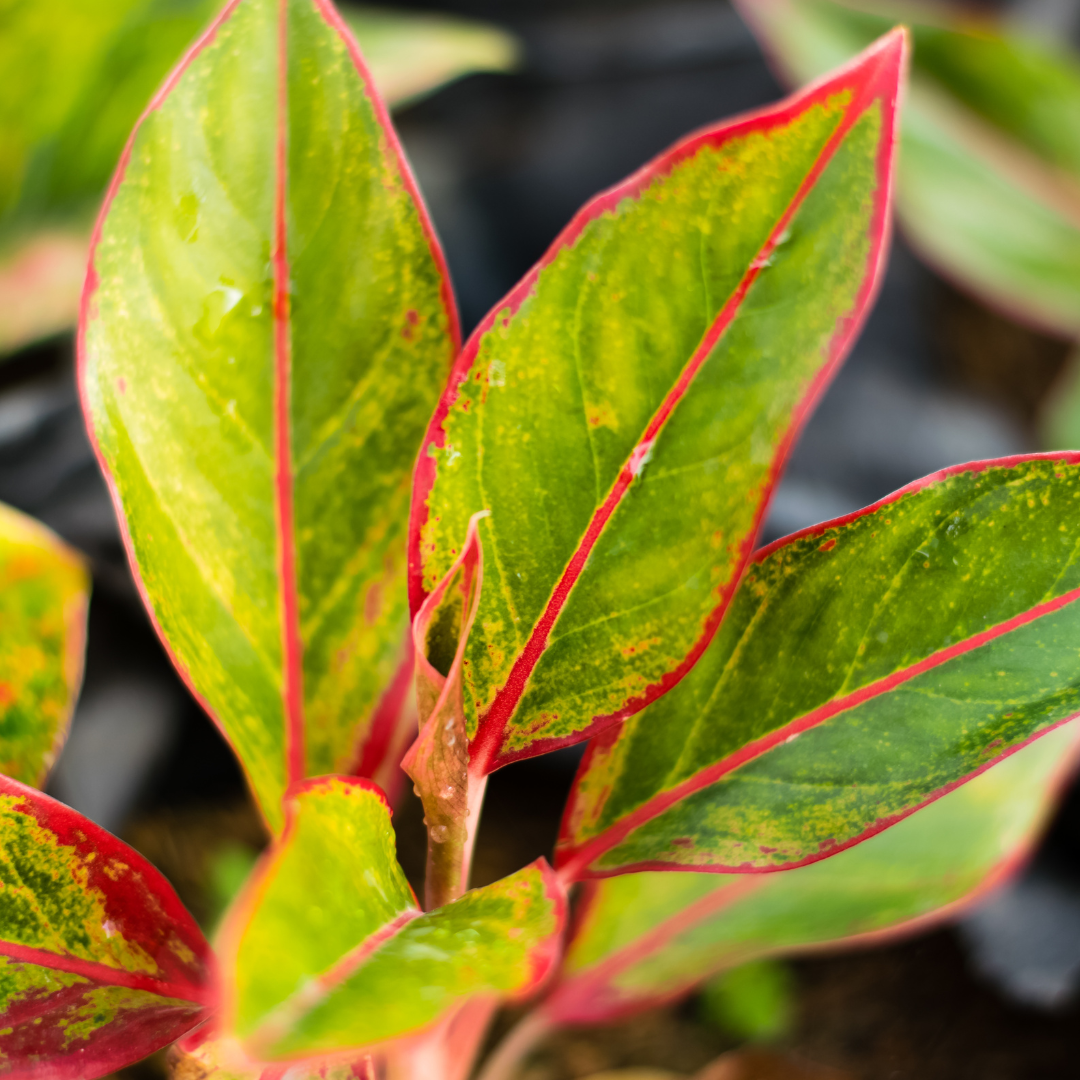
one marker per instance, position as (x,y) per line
(650,937)
(100,964)
(267,325)
(44,589)
(624,413)
(327,951)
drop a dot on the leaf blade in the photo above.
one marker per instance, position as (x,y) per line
(648,938)
(501,438)
(926,700)
(101,964)
(239,530)
(365,964)
(44,597)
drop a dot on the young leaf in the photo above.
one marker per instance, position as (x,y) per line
(100,964)
(624,413)
(990,131)
(438,761)
(866,666)
(328,952)
(266,324)
(647,938)
(44,590)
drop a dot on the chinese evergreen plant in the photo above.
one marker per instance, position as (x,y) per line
(267,327)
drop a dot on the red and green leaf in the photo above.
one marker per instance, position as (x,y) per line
(44,591)
(646,938)
(266,326)
(986,184)
(100,964)
(625,412)
(327,951)
(866,667)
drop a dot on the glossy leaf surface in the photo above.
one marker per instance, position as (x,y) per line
(866,666)
(625,411)
(44,590)
(990,162)
(100,964)
(266,327)
(328,951)
(646,938)
(77,77)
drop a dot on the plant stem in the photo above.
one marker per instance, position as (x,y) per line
(450,851)
(506,1058)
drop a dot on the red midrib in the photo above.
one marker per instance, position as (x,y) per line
(102,973)
(292,692)
(487,743)
(576,860)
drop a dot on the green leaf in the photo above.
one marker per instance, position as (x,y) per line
(100,964)
(647,938)
(991,127)
(752,1001)
(866,667)
(412,54)
(625,411)
(77,76)
(1059,420)
(44,592)
(267,323)
(327,951)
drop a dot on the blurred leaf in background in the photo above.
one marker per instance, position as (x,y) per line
(755,1001)
(988,185)
(229,867)
(74,78)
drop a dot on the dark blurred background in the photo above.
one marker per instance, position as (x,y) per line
(936,379)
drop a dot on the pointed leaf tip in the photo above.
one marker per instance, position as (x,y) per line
(244,541)
(598,465)
(884,638)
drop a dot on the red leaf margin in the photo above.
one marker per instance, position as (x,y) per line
(543,960)
(588,998)
(573,860)
(142,905)
(880,69)
(292,693)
